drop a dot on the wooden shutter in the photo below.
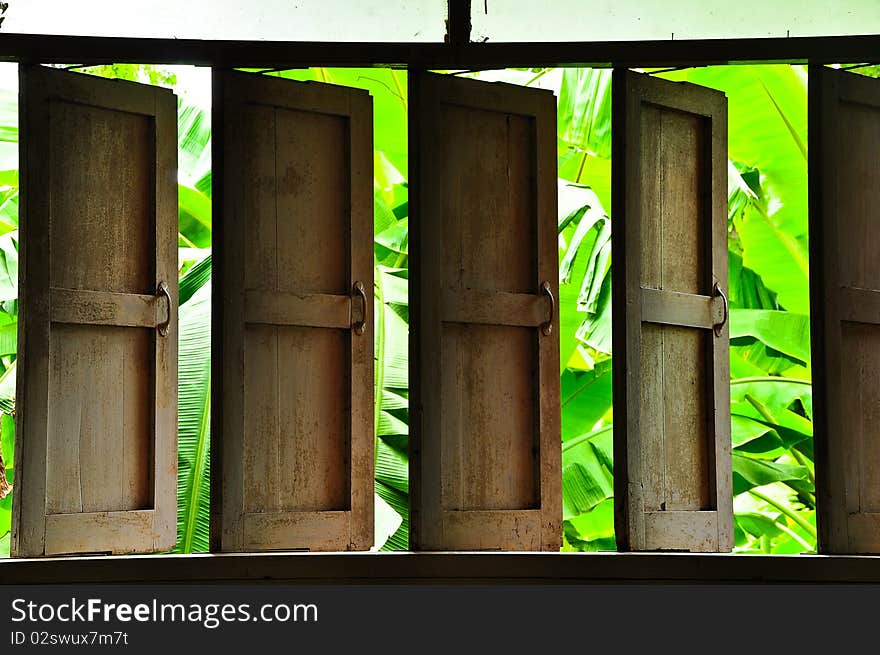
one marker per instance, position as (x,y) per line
(671,369)
(96,406)
(844,133)
(293,445)
(484,365)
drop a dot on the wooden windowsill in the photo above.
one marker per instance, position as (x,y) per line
(445,568)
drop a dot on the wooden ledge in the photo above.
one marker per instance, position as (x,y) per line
(445,568)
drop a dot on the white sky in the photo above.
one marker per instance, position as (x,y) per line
(609,20)
(423,20)
(290,20)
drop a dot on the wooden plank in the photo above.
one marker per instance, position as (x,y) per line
(674,396)
(686,309)
(860,351)
(314,389)
(294,424)
(313,310)
(859,305)
(439,568)
(88,380)
(102,308)
(520,528)
(721,475)
(439,56)
(864,530)
(97,444)
(28,528)
(361,346)
(322,530)
(488,425)
(495,97)
(87,421)
(682,530)
(671,395)
(164,411)
(844,116)
(260,415)
(318,98)
(91,532)
(227,332)
(673,256)
(484,440)
(494,308)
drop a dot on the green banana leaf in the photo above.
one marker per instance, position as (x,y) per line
(194,407)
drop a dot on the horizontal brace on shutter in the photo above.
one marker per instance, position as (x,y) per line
(859,305)
(682,530)
(313,310)
(273,530)
(494,308)
(91,532)
(520,527)
(105,308)
(684,309)
(864,530)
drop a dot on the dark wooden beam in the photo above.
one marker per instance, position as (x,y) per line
(438,568)
(458,23)
(455,55)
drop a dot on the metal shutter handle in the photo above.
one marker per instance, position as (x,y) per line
(547,326)
(718,327)
(163,291)
(361,325)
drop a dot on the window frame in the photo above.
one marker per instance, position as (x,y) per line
(455,54)
(463,567)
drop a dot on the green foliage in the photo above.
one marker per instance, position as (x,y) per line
(7,460)
(194,416)
(8,296)
(133,73)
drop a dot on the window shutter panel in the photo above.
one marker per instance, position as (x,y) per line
(97,365)
(671,365)
(293,351)
(484,361)
(844,133)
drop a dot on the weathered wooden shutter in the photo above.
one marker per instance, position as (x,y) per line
(484,347)
(844,160)
(96,406)
(672,462)
(292,451)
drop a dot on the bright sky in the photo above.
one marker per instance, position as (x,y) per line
(424,20)
(609,20)
(291,20)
